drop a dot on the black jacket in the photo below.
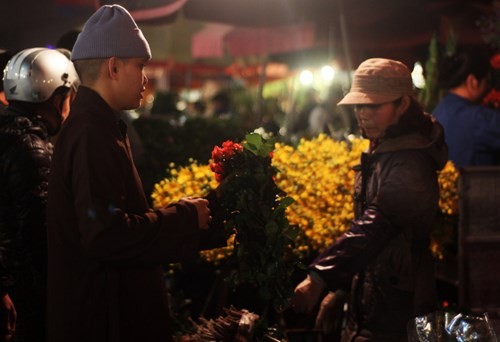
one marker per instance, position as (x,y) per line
(25,154)
(384,258)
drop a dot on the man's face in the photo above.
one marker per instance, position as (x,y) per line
(374,119)
(132,82)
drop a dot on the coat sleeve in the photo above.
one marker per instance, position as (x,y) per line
(350,253)
(402,184)
(104,184)
(25,169)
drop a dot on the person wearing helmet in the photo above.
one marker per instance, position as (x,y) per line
(39,84)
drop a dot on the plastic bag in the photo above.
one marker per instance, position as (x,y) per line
(447,327)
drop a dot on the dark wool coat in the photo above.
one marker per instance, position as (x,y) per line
(105,244)
(384,259)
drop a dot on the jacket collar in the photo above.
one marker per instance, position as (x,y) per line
(90,99)
(433,144)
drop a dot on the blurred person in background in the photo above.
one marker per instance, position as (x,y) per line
(472,130)
(39,85)
(328,118)
(299,124)
(383,261)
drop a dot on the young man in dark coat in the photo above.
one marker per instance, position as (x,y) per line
(106,246)
(384,260)
(39,84)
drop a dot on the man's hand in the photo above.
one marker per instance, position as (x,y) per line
(8,317)
(202,209)
(307,295)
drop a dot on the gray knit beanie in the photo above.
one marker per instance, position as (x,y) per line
(110,32)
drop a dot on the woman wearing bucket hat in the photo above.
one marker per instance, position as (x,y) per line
(383,260)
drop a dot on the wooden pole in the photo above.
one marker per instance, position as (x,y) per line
(345,37)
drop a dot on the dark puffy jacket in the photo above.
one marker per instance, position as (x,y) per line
(384,258)
(25,154)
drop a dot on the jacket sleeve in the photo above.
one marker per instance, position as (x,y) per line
(25,170)
(364,240)
(406,193)
(104,183)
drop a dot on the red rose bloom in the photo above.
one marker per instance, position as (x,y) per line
(222,158)
(495,61)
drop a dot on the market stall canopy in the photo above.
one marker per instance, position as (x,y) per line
(214,39)
(353,29)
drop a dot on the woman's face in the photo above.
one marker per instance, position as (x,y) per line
(374,119)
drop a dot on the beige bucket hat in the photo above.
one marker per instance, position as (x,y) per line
(379,80)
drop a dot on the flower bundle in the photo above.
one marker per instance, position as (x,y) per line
(226,159)
(255,213)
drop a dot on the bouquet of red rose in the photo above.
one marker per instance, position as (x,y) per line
(255,212)
(224,158)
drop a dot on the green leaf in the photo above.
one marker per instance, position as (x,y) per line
(251,147)
(271,228)
(254,139)
(285,202)
(291,233)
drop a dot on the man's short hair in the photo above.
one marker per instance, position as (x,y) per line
(88,69)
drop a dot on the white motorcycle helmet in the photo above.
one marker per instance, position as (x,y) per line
(33,75)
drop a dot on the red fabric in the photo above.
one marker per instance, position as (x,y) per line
(157,12)
(88,3)
(248,41)
(209,41)
(269,40)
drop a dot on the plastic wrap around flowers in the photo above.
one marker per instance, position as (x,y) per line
(448,326)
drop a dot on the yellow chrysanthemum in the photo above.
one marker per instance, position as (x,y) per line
(318,175)
(448,187)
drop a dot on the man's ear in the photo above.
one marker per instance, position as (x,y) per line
(113,67)
(471,82)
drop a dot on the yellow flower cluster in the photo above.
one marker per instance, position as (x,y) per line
(445,226)
(193,180)
(216,255)
(318,175)
(448,188)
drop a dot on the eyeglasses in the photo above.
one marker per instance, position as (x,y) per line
(374,106)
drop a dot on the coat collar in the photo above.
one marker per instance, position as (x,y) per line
(433,144)
(90,99)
